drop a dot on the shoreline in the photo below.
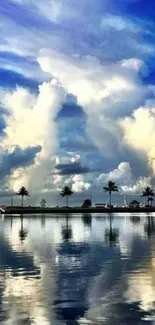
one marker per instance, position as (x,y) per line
(70,210)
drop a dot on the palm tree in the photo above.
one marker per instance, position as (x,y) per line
(148,192)
(66,191)
(112,187)
(43,203)
(23,192)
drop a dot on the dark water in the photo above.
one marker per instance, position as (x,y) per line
(77,270)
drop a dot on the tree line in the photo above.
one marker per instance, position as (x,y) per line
(110,188)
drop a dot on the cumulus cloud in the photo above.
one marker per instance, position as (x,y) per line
(106,84)
(76,182)
(79,185)
(31,120)
(137,188)
(107,92)
(139,131)
(121,175)
(70,172)
(91,81)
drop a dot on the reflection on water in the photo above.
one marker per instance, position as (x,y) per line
(87,220)
(79,269)
(135,219)
(67,230)
(111,234)
(150,227)
(22,231)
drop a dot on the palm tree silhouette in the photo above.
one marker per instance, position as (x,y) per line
(148,192)
(112,187)
(23,192)
(66,191)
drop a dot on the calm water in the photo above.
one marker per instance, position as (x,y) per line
(77,270)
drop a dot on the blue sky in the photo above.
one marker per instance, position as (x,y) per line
(77,90)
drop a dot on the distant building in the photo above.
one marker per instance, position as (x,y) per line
(134,204)
(100,205)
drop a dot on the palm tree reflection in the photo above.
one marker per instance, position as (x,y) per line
(111,234)
(86,218)
(22,231)
(149,227)
(43,220)
(11,222)
(66,231)
(135,219)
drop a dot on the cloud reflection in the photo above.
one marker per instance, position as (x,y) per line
(53,280)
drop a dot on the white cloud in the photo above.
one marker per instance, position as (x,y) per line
(79,185)
(90,81)
(57,180)
(139,132)
(121,175)
(140,185)
(106,92)
(75,158)
(31,118)
(32,121)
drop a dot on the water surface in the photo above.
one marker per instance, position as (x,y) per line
(78,269)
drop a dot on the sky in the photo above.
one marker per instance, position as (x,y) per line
(77,98)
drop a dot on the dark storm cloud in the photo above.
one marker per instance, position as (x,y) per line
(17,158)
(72,168)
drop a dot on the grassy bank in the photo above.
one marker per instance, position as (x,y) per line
(31,210)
